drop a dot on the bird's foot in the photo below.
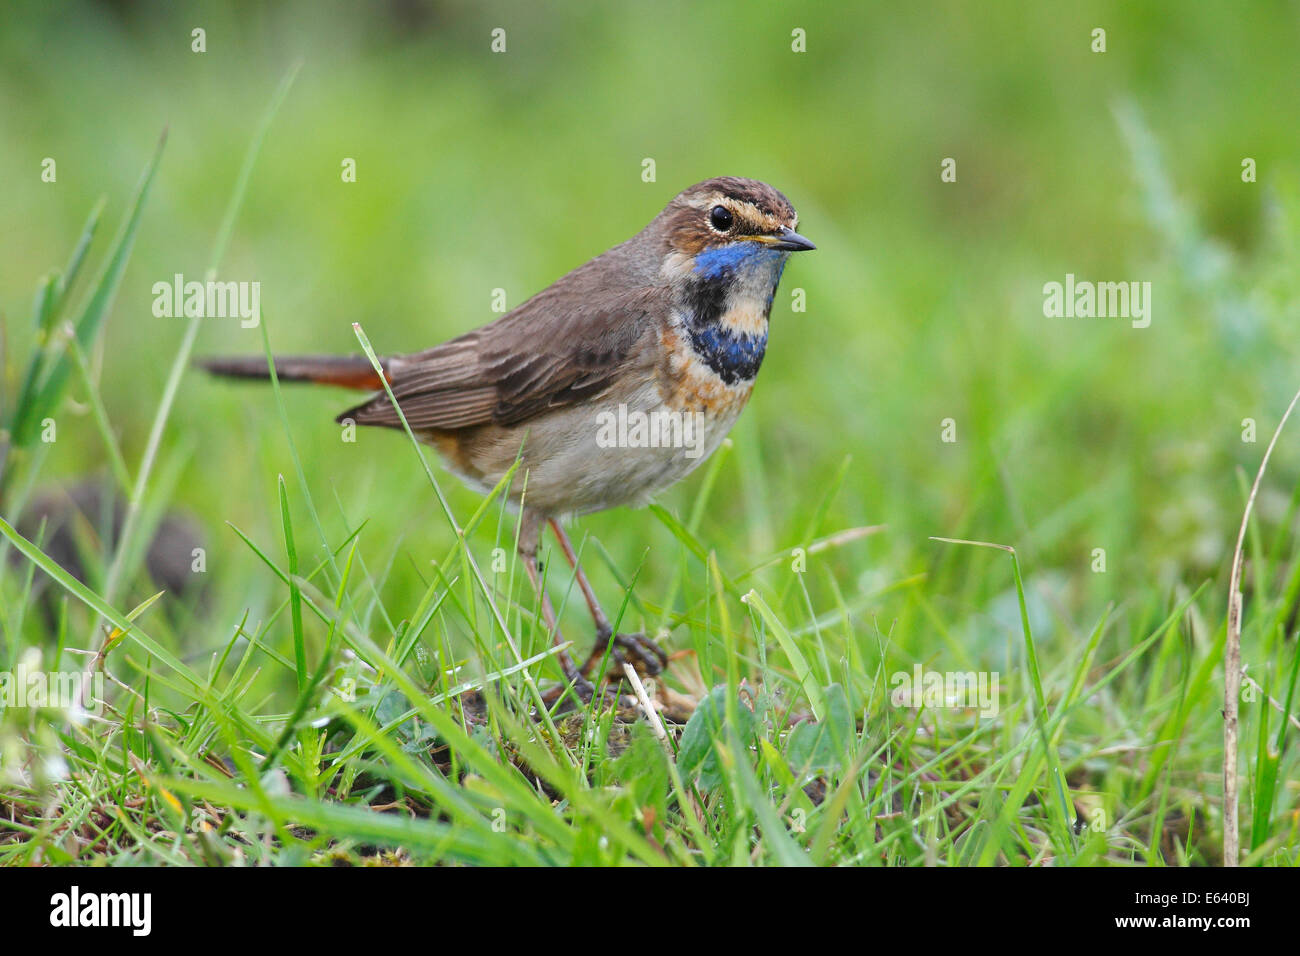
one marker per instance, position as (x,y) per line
(583,693)
(645,656)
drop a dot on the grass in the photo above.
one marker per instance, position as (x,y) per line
(362,680)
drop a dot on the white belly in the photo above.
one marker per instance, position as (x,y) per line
(588,458)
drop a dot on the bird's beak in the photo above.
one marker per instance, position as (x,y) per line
(787,240)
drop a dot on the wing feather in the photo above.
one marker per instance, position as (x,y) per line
(533,360)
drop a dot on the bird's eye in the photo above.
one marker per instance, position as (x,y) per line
(721,219)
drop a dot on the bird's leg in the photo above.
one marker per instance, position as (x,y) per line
(636,649)
(529,533)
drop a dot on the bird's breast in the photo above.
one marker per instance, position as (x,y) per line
(732,348)
(708,373)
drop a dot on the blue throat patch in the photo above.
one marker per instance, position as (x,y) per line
(736,258)
(722,261)
(732,354)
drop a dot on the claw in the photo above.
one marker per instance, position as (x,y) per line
(645,656)
(585,692)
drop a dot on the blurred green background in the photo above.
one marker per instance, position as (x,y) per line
(924,302)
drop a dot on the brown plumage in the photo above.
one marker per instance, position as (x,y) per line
(346,371)
(483,377)
(674,320)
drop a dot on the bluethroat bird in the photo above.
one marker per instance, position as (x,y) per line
(666,329)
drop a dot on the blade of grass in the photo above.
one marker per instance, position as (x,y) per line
(295,595)
(117,463)
(1063,816)
(471,565)
(87,324)
(1232,665)
(807,679)
(182,359)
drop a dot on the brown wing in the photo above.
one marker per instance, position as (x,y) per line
(537,358)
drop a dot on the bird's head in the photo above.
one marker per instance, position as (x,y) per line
(726,226)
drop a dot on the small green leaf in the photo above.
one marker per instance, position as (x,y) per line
(697,753)
(822,744)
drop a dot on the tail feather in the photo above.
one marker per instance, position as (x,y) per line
(346,371)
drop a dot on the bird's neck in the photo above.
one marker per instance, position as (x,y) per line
(724,304)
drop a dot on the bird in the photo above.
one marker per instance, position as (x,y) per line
(608,386)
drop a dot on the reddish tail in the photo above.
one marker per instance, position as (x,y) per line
(346,371)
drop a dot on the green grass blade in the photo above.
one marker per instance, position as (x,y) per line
(88,323)
(295,595)
(183,353)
